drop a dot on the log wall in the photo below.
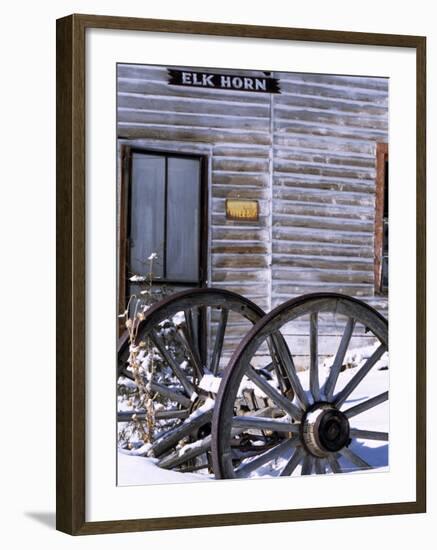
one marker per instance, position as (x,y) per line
(307,155)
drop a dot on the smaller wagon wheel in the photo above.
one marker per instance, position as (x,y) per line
(315,431)
(188,383)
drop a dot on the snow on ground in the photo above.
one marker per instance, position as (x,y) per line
(137,470)
(376,419)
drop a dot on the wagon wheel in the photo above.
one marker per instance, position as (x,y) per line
(184,439)
(316,431)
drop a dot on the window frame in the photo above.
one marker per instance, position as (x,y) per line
(381,159)
(125,175)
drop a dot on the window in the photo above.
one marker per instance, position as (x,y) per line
(381,219)
(162,211)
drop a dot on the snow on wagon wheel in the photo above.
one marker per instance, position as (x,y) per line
(337,420)
(192,333)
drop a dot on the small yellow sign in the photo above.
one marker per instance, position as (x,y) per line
(244,210)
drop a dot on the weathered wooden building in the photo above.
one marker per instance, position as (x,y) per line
(314,156)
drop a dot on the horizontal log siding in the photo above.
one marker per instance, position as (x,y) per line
(307,155)
(235,126)
(325,134)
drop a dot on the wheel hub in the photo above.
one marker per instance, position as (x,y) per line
(325,430)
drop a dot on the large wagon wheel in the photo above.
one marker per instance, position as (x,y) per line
(185,442)
(316,431)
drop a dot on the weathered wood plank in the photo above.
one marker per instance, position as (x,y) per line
(176,119)
(220,220)
(342,224)
(249,290)
(325,197)
(223,248)
(311,143)
(331,211)
(132,130)
(328,262)
(239,261)
(286,291)
(285,114)
(311,234)
(326,157)
(240,164)
(314,275)
(376,107)
(333,130)
(238,276)
(338,92)
(242,151)
(321,249)
(240,234)
(297,180)
(244,192)
(362,82)
(240,180)
(320,169)
(200,105)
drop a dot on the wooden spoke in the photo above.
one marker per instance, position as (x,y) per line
(173,395)
(268,456)
(198,315)
(284,355)
(293,462)
(319,466)
(195,362)
(175,459)
(218,345)
(368,434)
(355,459)
(314,358)
(172,413)
(191,332)
(339,358)
(281,401)
(170,438)
(127,416)
(307,465)
(366,405)
(269,367)
(341,397)
(202,322)
(260,423)
(179,373)
(334,464)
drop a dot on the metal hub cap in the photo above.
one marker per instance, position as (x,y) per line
(325,430)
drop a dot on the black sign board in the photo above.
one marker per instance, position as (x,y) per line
(233,82)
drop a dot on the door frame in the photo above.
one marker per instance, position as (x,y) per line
(124,171)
